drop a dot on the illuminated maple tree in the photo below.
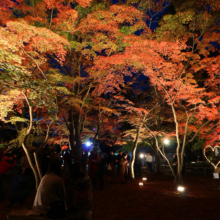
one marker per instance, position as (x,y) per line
(65,55)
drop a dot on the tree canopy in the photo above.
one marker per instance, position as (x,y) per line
(79,63)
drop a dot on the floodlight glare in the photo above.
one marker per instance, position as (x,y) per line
(88,143)
(141,155)
(166,141)
(141,184)
(144,179)
(180,189)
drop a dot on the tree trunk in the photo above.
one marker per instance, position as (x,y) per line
(38,166)
(31,165)
(85,161)
(37,154)
(71,133)
(163,155)
(134,151)
(157,158)
(24,141)
(78,142)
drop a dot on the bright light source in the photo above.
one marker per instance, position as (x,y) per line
(166,141)
(61,156)
(180,189)
(193,162)
(141,184)
(141,155)
(144,179)
(88,143)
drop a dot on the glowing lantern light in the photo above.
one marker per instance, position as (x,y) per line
(141,184)
(144,179)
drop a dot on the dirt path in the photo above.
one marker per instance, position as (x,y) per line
(158,199)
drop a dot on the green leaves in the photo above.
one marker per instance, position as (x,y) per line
(198,145)
(15,119)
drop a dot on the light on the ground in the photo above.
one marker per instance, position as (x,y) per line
(141,184)
(180,188)
(141,155)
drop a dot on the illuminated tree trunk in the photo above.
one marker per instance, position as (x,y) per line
(157,158)
(24,141)
(38,166)
(134,152)
(135,147)
(163,155)
(37,154)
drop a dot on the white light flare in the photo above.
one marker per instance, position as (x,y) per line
(180,188)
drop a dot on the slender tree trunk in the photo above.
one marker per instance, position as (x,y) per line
(38,166)
(157,158)
(78,141)
(135,147)
(179,170)
(37,154)
(134,151)
(84,165)
(47,135)
(24,141)
(163,155)
(71,133)
(31,165)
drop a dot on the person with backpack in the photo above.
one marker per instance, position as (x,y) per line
(79,194)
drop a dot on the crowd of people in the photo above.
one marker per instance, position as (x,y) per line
(64,190)
(110,165)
